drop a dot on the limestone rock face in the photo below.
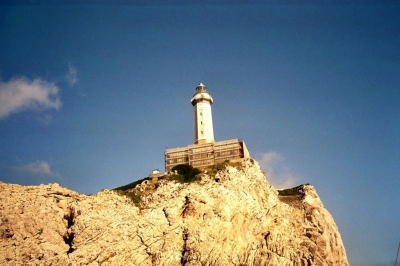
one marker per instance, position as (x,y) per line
(233,218)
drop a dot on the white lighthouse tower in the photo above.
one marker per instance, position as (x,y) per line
(205,151)
(203,126)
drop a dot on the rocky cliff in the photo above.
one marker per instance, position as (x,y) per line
(232,218)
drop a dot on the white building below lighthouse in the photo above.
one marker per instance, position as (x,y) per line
(205,151)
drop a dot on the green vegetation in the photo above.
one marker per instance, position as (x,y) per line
(296,191)
(135,198)
(213,169)
(132,195)
(132,185)
(123,190)
(186,173)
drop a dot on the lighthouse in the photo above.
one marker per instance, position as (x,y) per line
(205,152)
(203,125)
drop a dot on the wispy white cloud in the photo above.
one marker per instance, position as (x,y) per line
(39,167)
(276,172)
(72,75)
(21,94)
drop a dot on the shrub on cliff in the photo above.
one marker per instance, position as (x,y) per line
(135,198)
(295,191)
(187,172)
(132,185)
(213,169)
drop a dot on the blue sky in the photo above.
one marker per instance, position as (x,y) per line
(91,95)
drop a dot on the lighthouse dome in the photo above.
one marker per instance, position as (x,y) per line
(201,95)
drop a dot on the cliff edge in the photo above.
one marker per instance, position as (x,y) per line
(232,218)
